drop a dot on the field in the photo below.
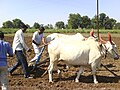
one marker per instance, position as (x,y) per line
(107,81)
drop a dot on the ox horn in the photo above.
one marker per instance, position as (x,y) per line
(92,33)
(103,41)
(109,37)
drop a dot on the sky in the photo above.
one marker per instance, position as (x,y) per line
(51,11)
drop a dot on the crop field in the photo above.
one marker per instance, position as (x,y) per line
(106,79)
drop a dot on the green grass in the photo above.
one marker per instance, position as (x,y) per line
(30,31)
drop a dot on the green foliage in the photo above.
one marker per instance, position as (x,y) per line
(74,21)
(108,30)
(8,24)
(48,26)
(8,30)
(31,30)
(109,23)
(117,25)
(17,23)
(36,25)
(60,24)
(86,22)
(12,31)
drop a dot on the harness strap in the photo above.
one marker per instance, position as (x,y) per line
(106,51)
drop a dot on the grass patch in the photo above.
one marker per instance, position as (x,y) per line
(10,32)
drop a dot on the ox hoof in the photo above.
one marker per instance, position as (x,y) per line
(51,82)
(76,80)
(95,82)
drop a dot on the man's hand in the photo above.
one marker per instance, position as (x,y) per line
(45,44)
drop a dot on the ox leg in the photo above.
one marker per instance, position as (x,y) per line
(93,67)
(50,70)
(79,73)
(58,70)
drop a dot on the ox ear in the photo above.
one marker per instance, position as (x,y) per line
(101,40)
(92,33)
(109,38)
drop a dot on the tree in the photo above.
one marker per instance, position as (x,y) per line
(17,23)
(117,25)
(66,26)
(94,22)
(48,26)
(8,24)
(109,23)
(74,21)
(102,20)
(36,25)
(86,22)
(60,24)
(28,25)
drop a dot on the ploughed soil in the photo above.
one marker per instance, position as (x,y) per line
(107,79)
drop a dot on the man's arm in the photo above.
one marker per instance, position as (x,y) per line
(9,50)
(23,42)
(43,41)
(35,42)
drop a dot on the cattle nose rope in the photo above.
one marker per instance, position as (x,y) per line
(109,70)
(106,51)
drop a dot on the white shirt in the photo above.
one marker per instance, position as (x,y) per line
(18,42)
(37,37)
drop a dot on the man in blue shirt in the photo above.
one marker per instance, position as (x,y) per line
(5,49)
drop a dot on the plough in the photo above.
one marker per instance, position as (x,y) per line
(37,62)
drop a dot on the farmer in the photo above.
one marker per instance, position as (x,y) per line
(5,49)
(37,39)
(19,48)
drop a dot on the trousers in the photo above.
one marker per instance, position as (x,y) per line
(37,51)
(20,61)
(3,77)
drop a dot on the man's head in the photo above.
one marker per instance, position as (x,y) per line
(1,35)
(24,28)
(41,30)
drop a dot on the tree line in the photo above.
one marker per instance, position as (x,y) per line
(75,21)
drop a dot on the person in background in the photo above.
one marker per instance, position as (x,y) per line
(37,39)
(19,48)
(5,49)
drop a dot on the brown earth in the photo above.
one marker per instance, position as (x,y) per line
(107,81)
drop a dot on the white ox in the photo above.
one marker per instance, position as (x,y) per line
(51,37)
(77,36)
(83,53)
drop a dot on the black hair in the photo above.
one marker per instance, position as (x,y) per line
(1,34)
(42,28)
